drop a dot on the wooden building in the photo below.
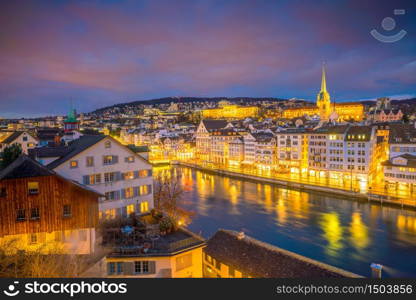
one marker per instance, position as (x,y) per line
(39,208)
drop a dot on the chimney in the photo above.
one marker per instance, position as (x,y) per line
(241,235)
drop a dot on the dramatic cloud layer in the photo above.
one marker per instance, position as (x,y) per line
(103,52)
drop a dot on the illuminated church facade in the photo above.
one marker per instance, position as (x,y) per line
(340,112)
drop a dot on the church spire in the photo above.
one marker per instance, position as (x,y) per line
(323,82)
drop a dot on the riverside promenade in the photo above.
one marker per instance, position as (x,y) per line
(374,196)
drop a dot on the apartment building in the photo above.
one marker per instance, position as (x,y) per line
(203,137)
(400,168)
(103,164)
(292,150)
(265,150)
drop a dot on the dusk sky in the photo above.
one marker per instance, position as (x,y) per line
(99,53)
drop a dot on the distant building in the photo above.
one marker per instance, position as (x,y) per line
(231,254)
(43,210)
(229,111)
(25,139)
(344,111)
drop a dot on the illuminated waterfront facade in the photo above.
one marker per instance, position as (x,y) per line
(229,111)
(342,111)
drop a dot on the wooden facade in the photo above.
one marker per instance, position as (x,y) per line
(54,192)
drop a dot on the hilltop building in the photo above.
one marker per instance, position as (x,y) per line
(229,111)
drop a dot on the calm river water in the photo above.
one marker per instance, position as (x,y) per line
(334,230)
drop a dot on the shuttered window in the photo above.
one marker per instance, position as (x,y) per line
(144,267)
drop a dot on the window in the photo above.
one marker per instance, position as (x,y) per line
(184,261)
(144,190)
(109,177)
(21,215)
(141,267)
(90,161)
(94,178)
(73,164)
(67,211)
(107,144)
(111,268)
(110,159)
(30,145)
(33,188)
(144,173)
(35,213)
(130,209)
(115,268)
(129,159)
(110,195)
(129,175)
(128,193)
(3,192)
(144,206)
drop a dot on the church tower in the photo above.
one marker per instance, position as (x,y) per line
(323,100)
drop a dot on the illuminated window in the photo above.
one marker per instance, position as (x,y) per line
(33,188)
(144,207)
(130,209)
(110,159)
(128,192)
(129,159)
(144,173)
(129,175)
(145,190)
(73,164)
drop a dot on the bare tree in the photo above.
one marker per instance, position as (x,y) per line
(168,198)
(43,261)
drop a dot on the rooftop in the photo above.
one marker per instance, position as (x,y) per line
(259,259)
(144,243)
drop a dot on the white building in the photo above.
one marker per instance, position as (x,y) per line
(23,138)
(108,167)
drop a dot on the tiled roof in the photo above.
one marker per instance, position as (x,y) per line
(214,124)
(12,137)
(258,259)
(76,147)
(41,152)
(402,134)
(411,161)
(24,167)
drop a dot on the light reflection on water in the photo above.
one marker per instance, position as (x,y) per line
(335,230)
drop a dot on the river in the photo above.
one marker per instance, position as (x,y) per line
(335,230)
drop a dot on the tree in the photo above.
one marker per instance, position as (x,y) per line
(10,154)
(43,261)
(168,198)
